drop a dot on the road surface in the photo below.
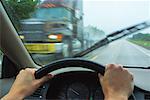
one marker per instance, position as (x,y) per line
(121,52)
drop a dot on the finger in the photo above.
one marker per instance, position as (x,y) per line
(132,85)
(100,78)
(125,70)
(132,77)
(22,70)
(32,70)
(120,67)
(129,73)
(44,79)
(106,67)
(109,66)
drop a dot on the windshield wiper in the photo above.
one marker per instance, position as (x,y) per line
(127,31)
(115,36)
(137,67)
(95,46)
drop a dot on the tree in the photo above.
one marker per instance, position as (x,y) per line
(20,9)
(141,36)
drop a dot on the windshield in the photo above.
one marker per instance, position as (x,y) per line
(53,14)
(57,29)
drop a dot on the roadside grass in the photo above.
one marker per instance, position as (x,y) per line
(145,44)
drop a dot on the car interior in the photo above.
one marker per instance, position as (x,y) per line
(71,74)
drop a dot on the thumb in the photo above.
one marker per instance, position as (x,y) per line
(100,77)
(44,79)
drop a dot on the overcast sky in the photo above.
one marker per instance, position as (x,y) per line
(111,15)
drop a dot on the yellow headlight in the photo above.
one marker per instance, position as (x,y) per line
(21,37)
(52,37)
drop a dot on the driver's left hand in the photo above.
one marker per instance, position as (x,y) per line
(25,84)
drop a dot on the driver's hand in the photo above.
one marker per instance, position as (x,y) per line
(25,84)
(117,82)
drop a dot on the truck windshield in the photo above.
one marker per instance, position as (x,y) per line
(53,14)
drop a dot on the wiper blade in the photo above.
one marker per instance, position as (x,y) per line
(137,67)
(115,36)
(95,46)
(127,31)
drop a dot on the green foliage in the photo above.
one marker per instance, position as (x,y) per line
(145,44)
(23,8)
(20,9)
(141,40)
(140,36)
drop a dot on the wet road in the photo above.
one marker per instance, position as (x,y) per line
(121,52)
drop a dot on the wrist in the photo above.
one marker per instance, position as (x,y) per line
(116,97)
(10,96)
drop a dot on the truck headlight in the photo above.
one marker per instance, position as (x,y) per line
(21,37)
(52,37)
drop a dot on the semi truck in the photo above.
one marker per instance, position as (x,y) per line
(55,27)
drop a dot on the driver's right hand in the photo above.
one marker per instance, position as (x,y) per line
(117,82)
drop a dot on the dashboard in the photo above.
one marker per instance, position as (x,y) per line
(78,86)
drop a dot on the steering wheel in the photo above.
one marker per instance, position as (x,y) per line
(70,62)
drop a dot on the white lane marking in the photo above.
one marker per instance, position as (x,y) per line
(140,49)
(93,58)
